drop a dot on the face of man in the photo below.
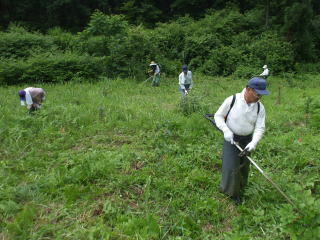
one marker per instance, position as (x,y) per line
(251,96)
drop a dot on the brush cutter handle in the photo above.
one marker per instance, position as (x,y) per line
(211,119)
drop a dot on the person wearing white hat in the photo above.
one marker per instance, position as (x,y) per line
(265,72)
(155,71)
(32,97)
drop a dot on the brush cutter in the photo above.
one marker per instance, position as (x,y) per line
(244,152)
(149,78)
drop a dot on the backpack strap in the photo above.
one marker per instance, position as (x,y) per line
(232,103)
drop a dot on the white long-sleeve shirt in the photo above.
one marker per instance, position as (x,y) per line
(34,96)
(157,69)
(185,79)
(243,118)
(265,72)
(28,95)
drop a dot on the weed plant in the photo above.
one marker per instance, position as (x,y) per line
(121,160)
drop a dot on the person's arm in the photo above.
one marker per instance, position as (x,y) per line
(181,81)
(219,118)
(260,126)
(265,72)
(157,71)
(258,130)
(221,113)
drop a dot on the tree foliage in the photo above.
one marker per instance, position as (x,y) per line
(296,20)
(222,42)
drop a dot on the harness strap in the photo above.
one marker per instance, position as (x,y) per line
(231,106)
(232,103)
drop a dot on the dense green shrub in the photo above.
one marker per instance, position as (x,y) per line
(138,51)
(245,72)
(102,33)
(101,24)
(170,67)
(63,40)
(94,46)
(225,23)
(198,47)
(170,39)
(222,61)
(126,50)
(51,68)
(271,49)
(124,57)
(244,57)
(19,43)
(307,67)
(11,71)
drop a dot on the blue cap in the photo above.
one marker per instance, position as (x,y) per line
(22,94)
(184,68)
(259,85)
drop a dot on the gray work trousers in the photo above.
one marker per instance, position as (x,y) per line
(235,169)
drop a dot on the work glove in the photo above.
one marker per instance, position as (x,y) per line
(250,147)
(228,136)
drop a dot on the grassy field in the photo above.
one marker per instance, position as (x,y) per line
(122,160)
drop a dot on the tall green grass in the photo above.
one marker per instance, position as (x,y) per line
(123,160)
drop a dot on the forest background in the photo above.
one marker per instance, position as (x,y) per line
(57,41)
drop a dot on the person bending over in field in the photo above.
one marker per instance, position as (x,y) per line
(185,80)
(241,118)
(155,72)
(32,97)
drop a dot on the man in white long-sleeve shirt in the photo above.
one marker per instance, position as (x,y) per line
(241,118)
(32,97)
(265,72)
(185,80)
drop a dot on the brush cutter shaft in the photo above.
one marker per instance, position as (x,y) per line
(148,79)
(266,176)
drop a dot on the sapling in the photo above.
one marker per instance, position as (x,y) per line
(307,110)
(279,95)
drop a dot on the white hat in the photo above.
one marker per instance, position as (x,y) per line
(152,63)
(264,66)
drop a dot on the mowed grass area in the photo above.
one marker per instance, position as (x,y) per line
(119,159)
